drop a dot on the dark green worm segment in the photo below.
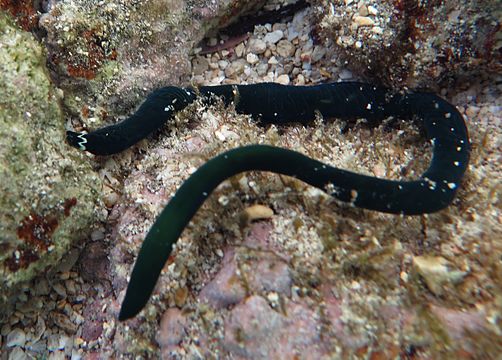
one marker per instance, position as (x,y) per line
(273,103)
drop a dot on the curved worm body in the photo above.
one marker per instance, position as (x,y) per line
(273,103)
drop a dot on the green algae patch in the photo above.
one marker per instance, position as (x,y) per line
(48,193)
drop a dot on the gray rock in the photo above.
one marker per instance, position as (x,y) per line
(18,354)
(257,46)
(16,337)
(273,37)
(285,48)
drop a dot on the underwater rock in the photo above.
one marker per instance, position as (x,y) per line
(108,56)
(415,43)
(47,195)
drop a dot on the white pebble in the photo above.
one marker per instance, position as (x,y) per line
(252,58)
(300,79)
(372,10)
(222,64)
(283,79)
(239,50)
(273,61)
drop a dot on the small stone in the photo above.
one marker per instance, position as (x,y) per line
(23,297)
(252,58)
(59,289)
(273,297)
(224,134)
(471,111)
(300,79)
(199,65)
(262,69)
(65,275)
(379,170)
(273,37)
(257,46)
(318,53)
(16,337)
(76,354)
(235,68)
(273,61)
(363,10)
(285,48)
(63,322)
(258,212)
(345,74)
(222,64)
(41,287)
(18,354)
(283,79)
(180,296)
(110,198)
(437,272)
(226,288)
(372,10)
(55,342)
(377,30)
(239,50)
(70,286)
(38,330)
(212,41)
(213,65)
(363,21)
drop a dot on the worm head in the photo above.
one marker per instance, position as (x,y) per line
(77,139)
